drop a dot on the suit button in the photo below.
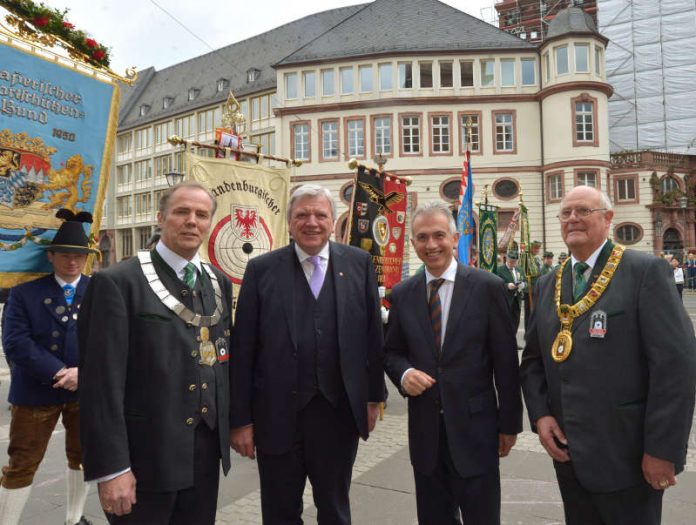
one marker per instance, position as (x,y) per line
(565,380)
(204,410)
(194,353)
(184,293)
(439,370)
(204,386)
(189,421)
(192,388)
(294,392)
(54,347)
(55,333)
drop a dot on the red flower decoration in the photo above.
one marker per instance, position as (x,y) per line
(68,25)
(98,54)
(41,21)
(91,42)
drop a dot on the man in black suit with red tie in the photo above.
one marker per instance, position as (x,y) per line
(451,349)
(306,361)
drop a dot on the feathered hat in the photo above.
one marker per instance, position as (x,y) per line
(71,237)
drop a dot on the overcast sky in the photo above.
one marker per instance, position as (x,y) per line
(141,34)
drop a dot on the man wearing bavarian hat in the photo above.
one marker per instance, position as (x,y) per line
(154,338)
(514,283)
(609,372)
(40,341)
(547,265)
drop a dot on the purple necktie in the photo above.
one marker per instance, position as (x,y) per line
(317,279)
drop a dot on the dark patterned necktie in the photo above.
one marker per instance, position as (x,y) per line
(436,311)
(580,282)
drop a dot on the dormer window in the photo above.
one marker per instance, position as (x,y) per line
(222,85)
(193,93)
(167,102)
(144,110)
(253,74)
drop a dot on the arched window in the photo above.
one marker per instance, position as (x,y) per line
(628,233)
(347,192)
(449,190)
(506,188)
(669,184)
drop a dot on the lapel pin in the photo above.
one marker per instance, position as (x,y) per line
(340,273)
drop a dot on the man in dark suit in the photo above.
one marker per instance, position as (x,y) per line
(450,348)
(306,373)
(154,338)
(40,341)
(514,285)
(608,372)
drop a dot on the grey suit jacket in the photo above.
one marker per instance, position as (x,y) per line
(629,393)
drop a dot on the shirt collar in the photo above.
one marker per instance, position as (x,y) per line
(175,261)
(592,259)
(303,255)
(62,283)
(448,275)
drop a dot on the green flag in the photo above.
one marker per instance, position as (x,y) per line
(488,243)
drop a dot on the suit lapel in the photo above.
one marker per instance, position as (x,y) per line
(54,299)
(596,272)
(80,290)
(422,311)
(458,304)
(338,274)
(285,279)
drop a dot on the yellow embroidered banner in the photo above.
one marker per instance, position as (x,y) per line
(251,214)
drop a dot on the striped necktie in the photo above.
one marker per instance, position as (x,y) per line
(436,311)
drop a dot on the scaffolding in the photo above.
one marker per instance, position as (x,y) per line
(651,63)
(529,19)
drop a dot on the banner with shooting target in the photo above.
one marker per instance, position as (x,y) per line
(378,222)
(250,216)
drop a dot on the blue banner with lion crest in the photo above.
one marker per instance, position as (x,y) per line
(57,128)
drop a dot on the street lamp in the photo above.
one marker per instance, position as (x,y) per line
(173,178)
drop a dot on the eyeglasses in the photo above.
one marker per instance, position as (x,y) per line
(566,214)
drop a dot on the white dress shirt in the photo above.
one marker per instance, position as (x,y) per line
(445,293)
(62,283)
(307,266)
(591,261)
(176,262)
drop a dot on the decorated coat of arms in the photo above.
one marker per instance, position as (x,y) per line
(31,189)
(246,223)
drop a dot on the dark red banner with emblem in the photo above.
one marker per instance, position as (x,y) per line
(378,222)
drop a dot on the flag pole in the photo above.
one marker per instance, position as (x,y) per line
(353,164)
(174,140)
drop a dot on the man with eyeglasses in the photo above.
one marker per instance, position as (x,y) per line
(609,372)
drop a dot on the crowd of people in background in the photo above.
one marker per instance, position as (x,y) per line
(684,270)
